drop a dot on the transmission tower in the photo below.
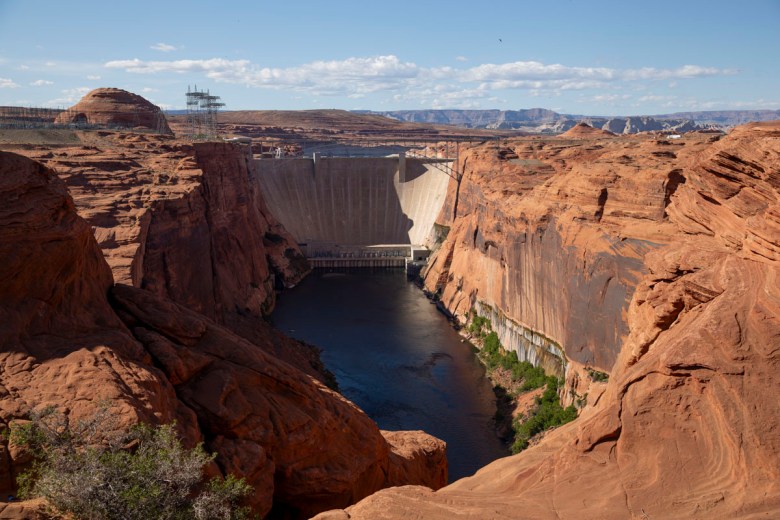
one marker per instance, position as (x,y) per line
(202,110)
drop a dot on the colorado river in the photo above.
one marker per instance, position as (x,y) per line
(397,358)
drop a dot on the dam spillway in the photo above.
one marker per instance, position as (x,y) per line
(335,207)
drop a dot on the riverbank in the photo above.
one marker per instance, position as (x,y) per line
(527,401)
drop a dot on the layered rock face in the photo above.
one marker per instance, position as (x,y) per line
(684,428)
(186,222)
(67,342)
(115,108)
(61,344)
(551,233)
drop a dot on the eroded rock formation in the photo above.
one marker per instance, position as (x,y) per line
(115,108)
(67,342)
(585,130)
(689,234)
(185,221)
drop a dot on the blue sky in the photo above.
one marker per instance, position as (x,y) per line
(581,57)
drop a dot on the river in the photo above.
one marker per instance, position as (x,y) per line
(397,358)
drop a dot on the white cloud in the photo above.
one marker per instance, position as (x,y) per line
(149,89)
(41,83)
(657,98)
(755,104)
(93,77)
(163,47)
(695,104)
(24,67)
(461,58)
(610,98)
(356,77)
(537,75)
(350,76)
(684,72)
(534,70)
(153,67)
(8,83)
(69,96)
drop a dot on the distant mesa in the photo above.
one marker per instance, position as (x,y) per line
(585,130)
(115,108)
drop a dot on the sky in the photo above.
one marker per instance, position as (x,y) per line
(573,56)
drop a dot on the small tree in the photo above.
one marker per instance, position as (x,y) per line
(94,473)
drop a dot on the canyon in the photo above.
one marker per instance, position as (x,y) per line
(139,268)
(651,259)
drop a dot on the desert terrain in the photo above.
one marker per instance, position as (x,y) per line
(139,267)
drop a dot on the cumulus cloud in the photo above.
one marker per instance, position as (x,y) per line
(163,47)
(610,98)
(537,75)
(349,76)
(684,72)
(657,98)
(461,58)
(356,77)
(69,96)
(93,77)
(152,67)
(41,83)
(698,104)
(8,83)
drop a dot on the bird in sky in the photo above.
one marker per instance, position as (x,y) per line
(500,40)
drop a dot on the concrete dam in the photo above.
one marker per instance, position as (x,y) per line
(352,212)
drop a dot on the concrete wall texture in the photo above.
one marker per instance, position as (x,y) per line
(360,201)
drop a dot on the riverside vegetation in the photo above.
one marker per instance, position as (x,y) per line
(547,412)
(94,471)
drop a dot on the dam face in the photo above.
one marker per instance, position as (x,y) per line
(337,207)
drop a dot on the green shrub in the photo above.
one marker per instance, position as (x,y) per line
(522,371)
(479,325)
(89,471)
(598,376)
(547,414)
(491,343)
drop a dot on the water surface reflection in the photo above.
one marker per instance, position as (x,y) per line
(397,358)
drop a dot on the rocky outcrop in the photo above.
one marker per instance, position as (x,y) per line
(540,120)
(303,447)
(70,340)
(190,249)
(550,235)
(416,457)
(185,222)
(117,109)
(633,125)
(61,343)
(585,130)
(684,428)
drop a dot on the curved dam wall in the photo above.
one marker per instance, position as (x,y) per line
(360,201)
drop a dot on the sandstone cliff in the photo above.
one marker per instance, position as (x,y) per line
(70,339)
(186,222)
(115,108)
(550,236)
(688,236)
